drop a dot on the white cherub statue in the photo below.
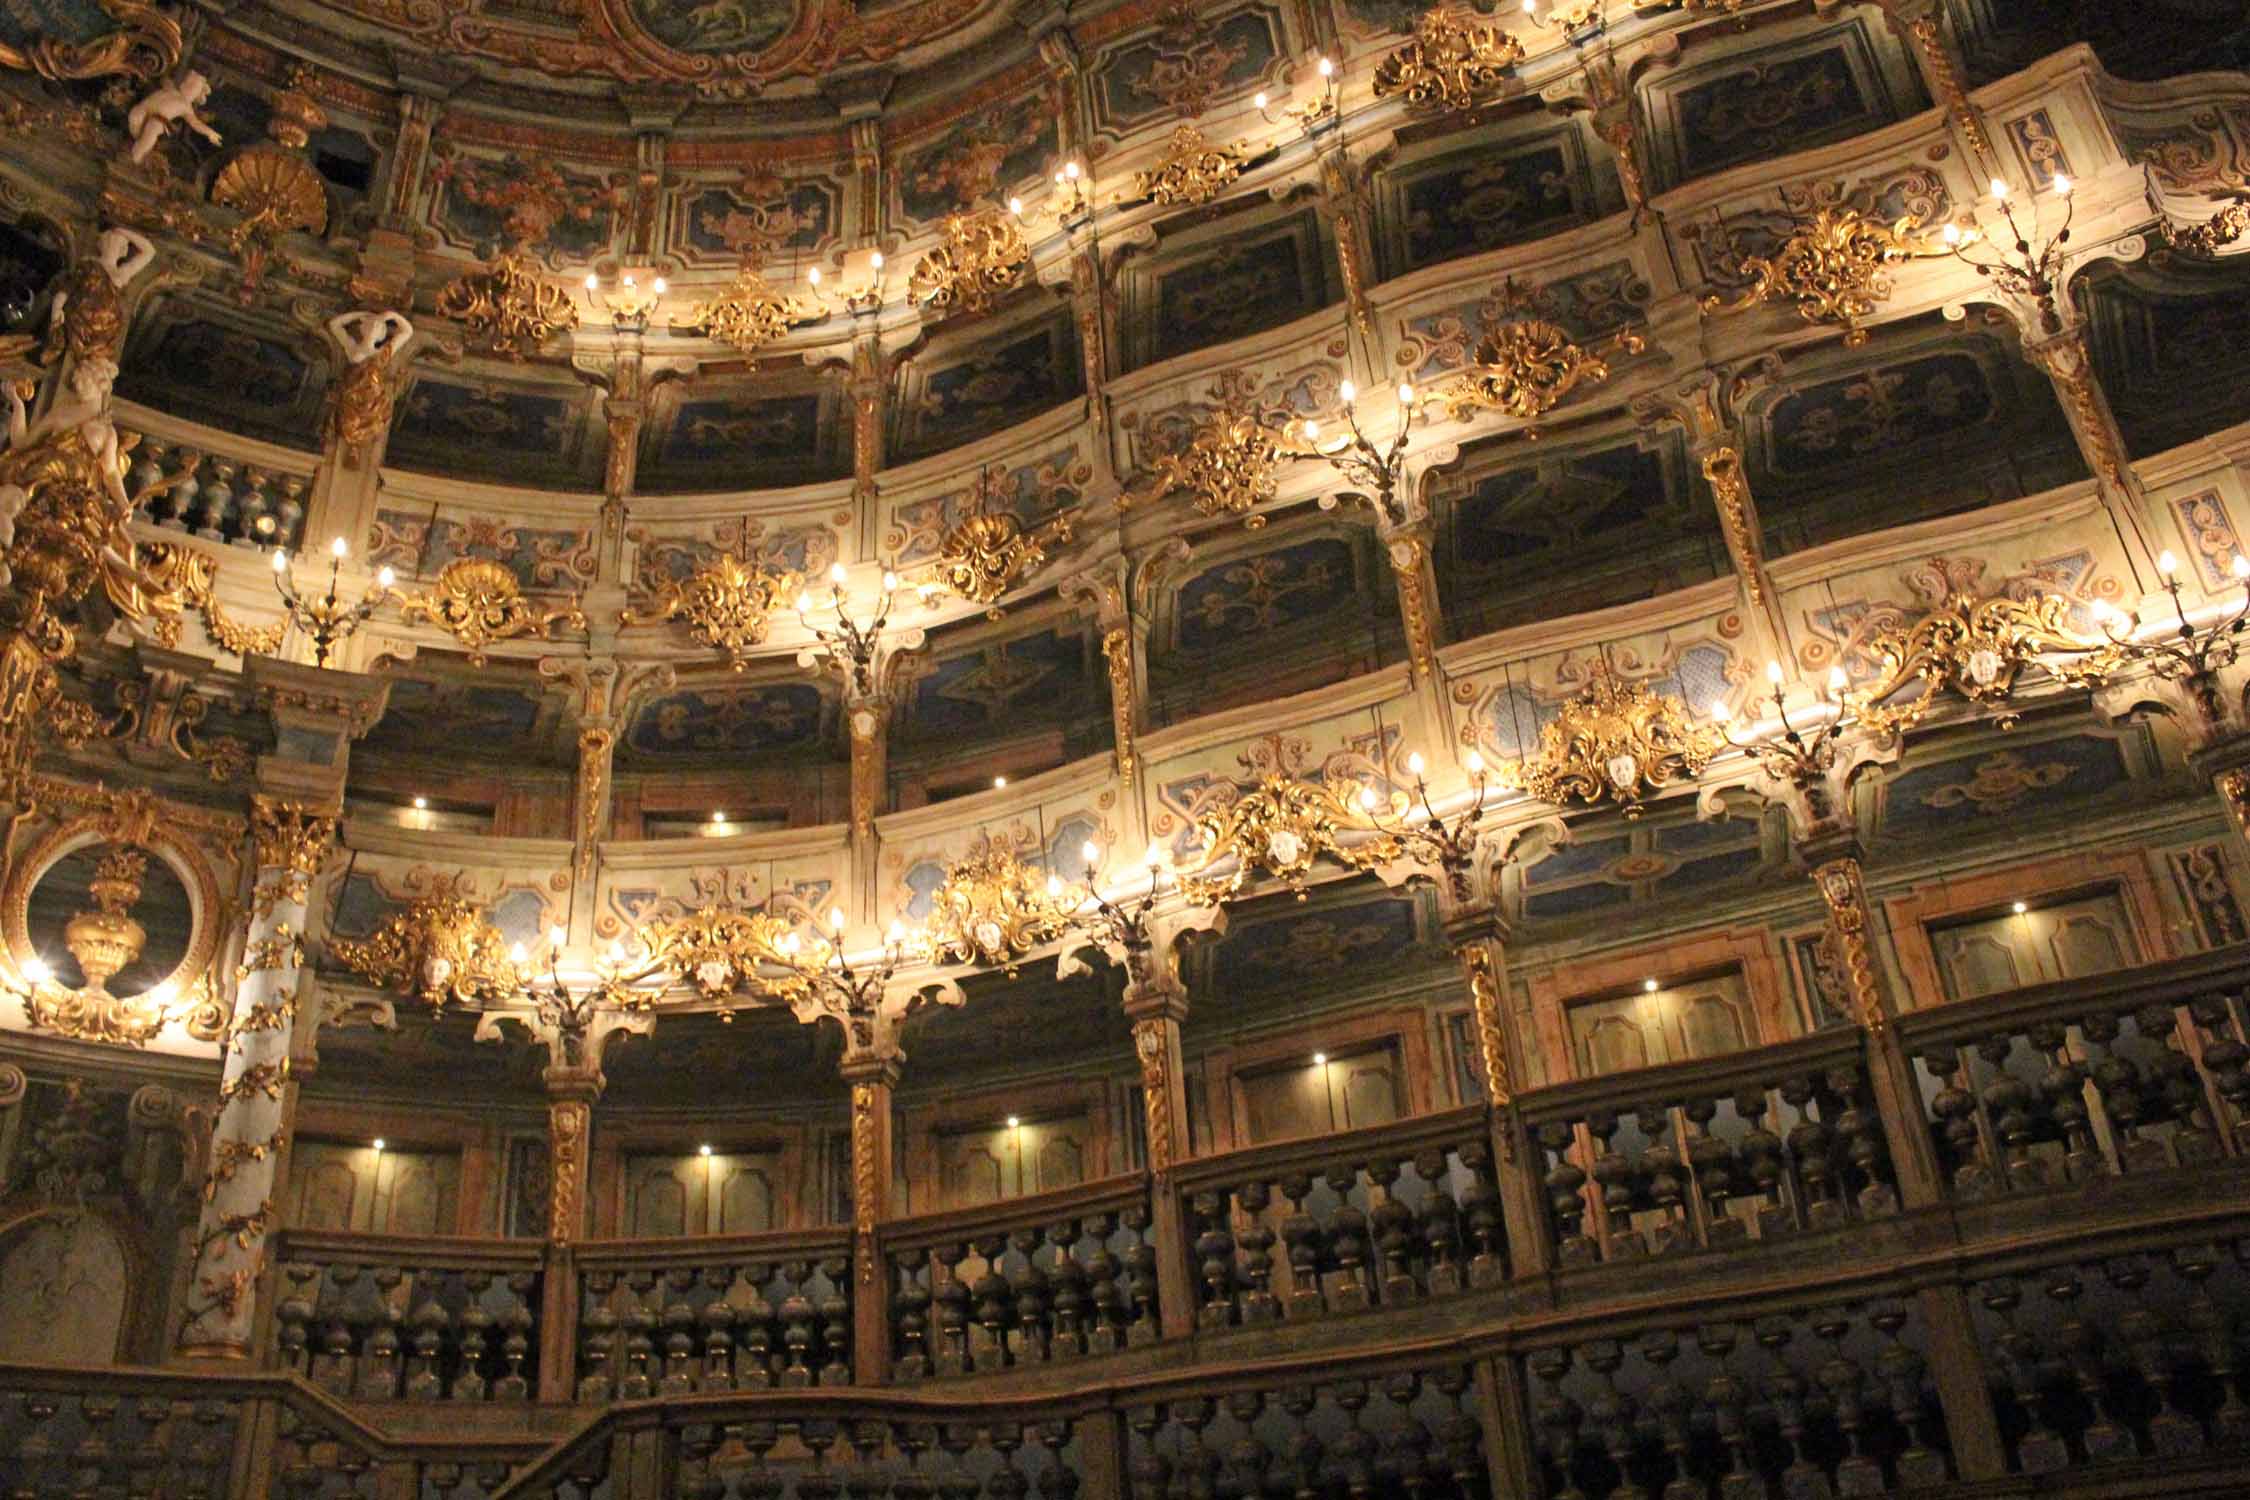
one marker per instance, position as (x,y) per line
(170,102)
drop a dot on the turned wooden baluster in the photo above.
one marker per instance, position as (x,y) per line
(717,1320)
(597,1337)
(1392,1224)
(678,1318)
(988,1338)
(910,1296)
(381,1363)
(637,1380)
(952,1297)
(1068,1278)
(1301,1233)
(1214,1252)
(1439,1225)
(1140,1285)
(1033,1299)
(471,1383)
(1812,1146)
(836,1321)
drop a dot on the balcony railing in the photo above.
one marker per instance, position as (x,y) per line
(381,1317)
(1057,1276)
(2135,1073)
(723,1313)
(1382,1216)
(1711,1154)
(255,498)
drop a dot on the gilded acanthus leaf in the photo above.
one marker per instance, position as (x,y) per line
(1454,61)
(1833,266)
(440,948)
(1282,827)
(993,907)
(508,307)
(1978,648)
(1615,742)
(728,604)
(980,256)
(1194,170)
(748,315)
(478,601)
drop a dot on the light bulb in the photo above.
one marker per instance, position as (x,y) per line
(790,944)
(1258,101)
(1155,855)
(2241,566)
(421,804)
(1721,715)
(895,934)
(1320,1059)
(835,919)
(2020,908)
(1091,851)
(813,276)
(616,952)
(703,1151)
(718,817)
(1070,170)
(1013,1122)
(1414,763)
(1327,68)
(1951,234)
(837,573)
(1367,798)
(36,970)
(2062,185)
(280,561)
(2101,612)
(1773,673)
(1531,7)
(1349,392)
(162,996)
(890,581)
(386,577)
(2166,563)
(593,282)
(1474,762)
(337,548)
(1838,680)
(1015,206)
(519,955)
(627,278)
(876,260)
(555,936)
(804,602)
(999,783)
(1999,189)
(1312,430)
(657,286)
(1054,885)
(1648,986)
(1405,394)
(379,1143)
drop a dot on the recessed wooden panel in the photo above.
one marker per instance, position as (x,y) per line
(1342,1092)
(669,1194)
(398,1190)
(2067,939)
(989,1163)
(1707,1017)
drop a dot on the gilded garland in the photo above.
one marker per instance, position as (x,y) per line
(1615,742)
(728,604)
(1833,266)
(992,907)
(981,256)
(1194,170)
(1282,827)
(1454,61)
(1979,648)
(478,601)
(2207,238)
(508,307)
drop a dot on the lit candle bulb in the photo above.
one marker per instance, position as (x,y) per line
(2167,564)
(837,574)
(280,561)
(1258,101)
(895,934)
(1090,851)
(36,970)
(1349,392)
(813,275)
(657,286)
(593,282)
(1312,430)
(1155,855)
(1838,679)
(1367,798)
(386,578)
(1773,673)
(616,952)
(1999,189)
(1327,68)
(835,919)
(2241,566)
(890,581)
(1951,234)
(555,936)
(519,955)
(2062,185)
(804,602)
(1414,763)
(1405,394)
(876,260)
(1015,206)
(337,548)
(1474,762)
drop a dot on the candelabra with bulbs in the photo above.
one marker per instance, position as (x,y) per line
(836,986)
(1423,833)
(867,299)
(1359,458)
(1121,924)
(2032,268)
(1801,759)
(1072,198)
(326,618)
(1306,117)
(629,300)
(2186,653)
(850,646)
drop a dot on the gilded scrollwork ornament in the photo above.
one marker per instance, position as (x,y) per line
(989,551)
(1282,827)
(727,604)
(749,314)
(1979,649)
(1834,267)
(1230,464)
(1194,170)
(273,185)
(142,42)
(479,602)
(2223,228)
(724,952)
(992,907)
(1455,60)
(508,307)
(1616,741)
(979,256)
(1525,365)
(440,949)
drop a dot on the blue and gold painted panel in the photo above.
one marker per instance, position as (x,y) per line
(701,722)
(209,371)
(1225,607)
(1508,713)
(490,430)
(1364,938)
(1037,678)
(1183,65)
(1880,414)
(1224,286)
(1359,747)
(1483,196)
(486,203)
(979,158)
(717,223)
(1589,304)
(542,558)
(1030,492)
(23,22)
(1996,788)
(1652,862)
(1788,98)
(1381,15)
(453,717)
(945,400)
(744,439)
(667,557)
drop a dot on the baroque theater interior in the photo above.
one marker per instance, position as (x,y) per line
(1128,749)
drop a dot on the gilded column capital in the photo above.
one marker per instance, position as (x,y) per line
(289,835)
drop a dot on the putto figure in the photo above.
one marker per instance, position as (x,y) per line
(171,102)
(73,446)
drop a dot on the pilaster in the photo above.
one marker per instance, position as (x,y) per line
(871,1076)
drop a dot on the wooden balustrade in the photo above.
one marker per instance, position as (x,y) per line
(723,1313)
(1056,1276)
(245,502)
(2138,1072)
(383,1317)
(1390,1214)
(1711,1154)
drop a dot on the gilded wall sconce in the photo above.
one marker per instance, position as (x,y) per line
(728,604)
(1425,836)
(1615,742)
(852,647)
(2031,268)
(1801,759)
(2188,654)
(326,618)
